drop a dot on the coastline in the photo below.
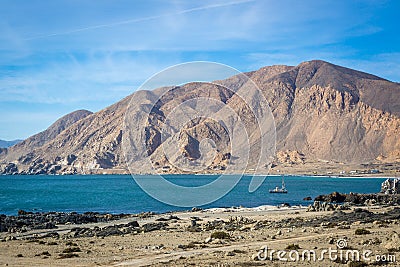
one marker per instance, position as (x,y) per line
(211,174)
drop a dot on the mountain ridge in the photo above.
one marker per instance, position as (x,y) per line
(321,111)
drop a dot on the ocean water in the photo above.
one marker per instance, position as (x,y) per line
(121,194)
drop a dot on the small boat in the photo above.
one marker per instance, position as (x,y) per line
(278,190)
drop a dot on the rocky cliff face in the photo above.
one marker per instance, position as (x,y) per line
(321,111)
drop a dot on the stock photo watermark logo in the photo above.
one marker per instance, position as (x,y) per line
(194,123)
(342,253)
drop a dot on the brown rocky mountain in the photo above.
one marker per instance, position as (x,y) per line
(322,112)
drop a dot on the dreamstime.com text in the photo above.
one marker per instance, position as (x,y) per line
(306,255)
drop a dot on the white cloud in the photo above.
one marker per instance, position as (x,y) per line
(105,78)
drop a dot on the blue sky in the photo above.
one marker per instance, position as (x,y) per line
(59,56)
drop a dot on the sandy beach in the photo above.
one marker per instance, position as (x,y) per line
(216,237)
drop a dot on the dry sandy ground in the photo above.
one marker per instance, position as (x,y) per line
(177,246)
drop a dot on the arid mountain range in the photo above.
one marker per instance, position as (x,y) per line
(5,144)
(323,113)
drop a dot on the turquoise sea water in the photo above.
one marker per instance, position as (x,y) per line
(121,194)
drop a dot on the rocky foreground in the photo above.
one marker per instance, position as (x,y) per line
(232,237)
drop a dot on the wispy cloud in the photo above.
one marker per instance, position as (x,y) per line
(105,79)
(136,20)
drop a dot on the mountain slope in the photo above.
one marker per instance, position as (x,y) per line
(334,113)
(5,144)
(321,111)
(24,151)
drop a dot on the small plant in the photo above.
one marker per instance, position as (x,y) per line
(293,247)
(220,235)
(44,253)
(362,232)
(340,260)
(70,250)
(238,251)
(357,264)
(68,255)
(190,245)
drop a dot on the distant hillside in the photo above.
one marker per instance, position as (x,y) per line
(322,112)
(5,144)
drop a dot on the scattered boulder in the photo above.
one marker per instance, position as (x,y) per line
(334,197)
(359,199)
(194,209)
(48,220)
(394,242)
(10,168)
(169,218)
(109,231)
(148,227)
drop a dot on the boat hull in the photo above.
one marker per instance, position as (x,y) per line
(278,192)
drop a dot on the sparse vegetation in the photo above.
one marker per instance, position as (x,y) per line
(362,231)
(357,264)
(73,249)
(68,255)
(238,251)
(44,253)
(220,235)
(190,245)
(293,247)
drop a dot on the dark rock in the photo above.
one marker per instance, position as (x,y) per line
(148,227)
(22,212)
(10,168)
(169,218)
(334,197)
(109,231)
(357,199)
(48,220)
(194,209)
(70,159)
(51,234)
(133,224)
(307,198)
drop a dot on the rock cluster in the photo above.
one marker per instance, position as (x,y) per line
(26,221)
(119,229)
(325,206)
(357,199)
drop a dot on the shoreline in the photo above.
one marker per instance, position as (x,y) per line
(215,174)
